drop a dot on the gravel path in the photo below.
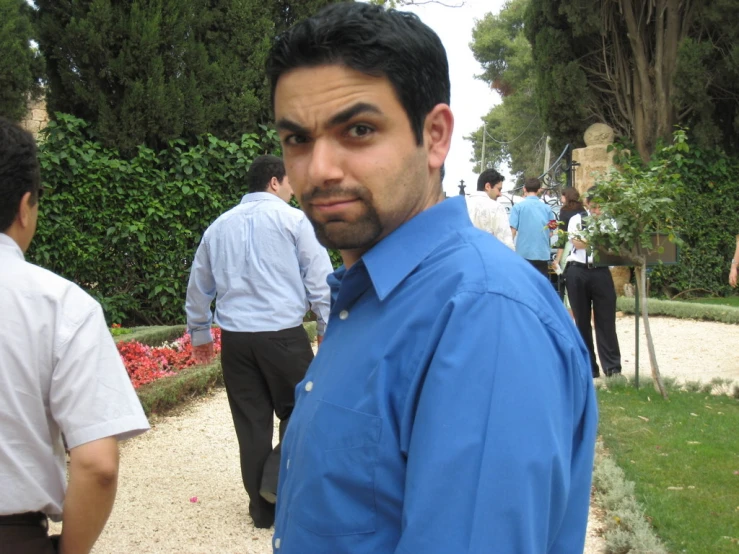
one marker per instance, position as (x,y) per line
(193,455)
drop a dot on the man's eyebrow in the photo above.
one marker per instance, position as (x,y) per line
(340,118)
(351,112)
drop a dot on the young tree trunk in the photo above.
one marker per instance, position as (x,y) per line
(641,282)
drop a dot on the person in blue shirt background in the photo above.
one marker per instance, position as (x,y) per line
(450,409)
(529,220)
(263,265)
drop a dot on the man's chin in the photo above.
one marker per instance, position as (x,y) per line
(343,235)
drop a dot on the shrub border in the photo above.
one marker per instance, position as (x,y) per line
(168,393)
(684,310)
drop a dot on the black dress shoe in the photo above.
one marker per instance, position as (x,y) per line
(613,372)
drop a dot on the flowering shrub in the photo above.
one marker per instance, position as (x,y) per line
(145,364)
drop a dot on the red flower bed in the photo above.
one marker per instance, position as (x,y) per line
(145,364)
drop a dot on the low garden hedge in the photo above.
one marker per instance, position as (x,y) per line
(684,310)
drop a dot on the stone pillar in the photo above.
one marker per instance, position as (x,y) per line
(36,118)
(594,161)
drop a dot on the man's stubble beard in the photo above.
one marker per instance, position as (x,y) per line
(349,235)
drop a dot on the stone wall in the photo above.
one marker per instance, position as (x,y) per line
(36,118)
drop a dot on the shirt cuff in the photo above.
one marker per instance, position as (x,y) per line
(320,328)
(200,337)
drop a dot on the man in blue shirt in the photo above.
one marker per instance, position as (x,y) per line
(263,264)
(450,409)
(529,225)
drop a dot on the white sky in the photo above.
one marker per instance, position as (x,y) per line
(471,98)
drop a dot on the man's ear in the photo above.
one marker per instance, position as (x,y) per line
(488,187)
(24,211)
(437,133)
(274,184)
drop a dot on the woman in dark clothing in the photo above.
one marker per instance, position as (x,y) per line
(571,205)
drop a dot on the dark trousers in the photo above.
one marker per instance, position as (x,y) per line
(26,534)
(260,371)
(592,289)
(542,266)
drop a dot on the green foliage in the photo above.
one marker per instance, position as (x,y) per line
(706,216)
(167,393)
(154,335)
(514,129)
(638,198)
(21,66)
(126,230)
(148,72)
(681,457)
(684,310)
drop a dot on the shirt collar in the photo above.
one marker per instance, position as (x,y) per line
(11,245)
(258,196)
(391,260)
(479,193)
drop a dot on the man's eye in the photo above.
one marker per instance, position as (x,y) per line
(293,140)
(357,131)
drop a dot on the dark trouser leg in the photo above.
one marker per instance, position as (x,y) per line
(251,410)
(283,357)
(604,311)
(25,538)
(542,266)
(578,291)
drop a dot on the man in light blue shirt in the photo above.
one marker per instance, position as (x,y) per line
(450,409)
(529,225)
(263,265)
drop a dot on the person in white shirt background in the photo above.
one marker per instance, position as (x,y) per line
(485,212)
(60,374)
(590,288)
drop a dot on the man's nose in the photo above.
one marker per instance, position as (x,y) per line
(325,166)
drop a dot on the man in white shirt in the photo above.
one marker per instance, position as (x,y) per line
(262,263)
(484,210)
(589,288)
(60,374)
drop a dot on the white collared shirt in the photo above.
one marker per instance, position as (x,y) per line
(488,215)
(60,372)
(574,231)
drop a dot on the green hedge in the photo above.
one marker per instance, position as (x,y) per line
(684,310)
(126,230)
(707,211)
(153,336)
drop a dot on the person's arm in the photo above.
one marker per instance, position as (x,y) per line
(503,231)
(514,221)
(573,231)
(315,267)
(201,290)
(499,437)
(734,263)
(93,480)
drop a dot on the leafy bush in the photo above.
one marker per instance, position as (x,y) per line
(706,216)
(684,310)
(126,230)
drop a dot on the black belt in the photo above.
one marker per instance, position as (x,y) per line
(580,264)
(27,518)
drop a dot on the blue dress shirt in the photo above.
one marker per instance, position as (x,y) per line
(263,264)
(530,218)
(450,408)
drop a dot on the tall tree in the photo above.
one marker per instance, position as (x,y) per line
(149,71)
(21,66)
(617,61)
(513,129)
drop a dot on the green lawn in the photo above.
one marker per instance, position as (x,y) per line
(725,301)
(684,459)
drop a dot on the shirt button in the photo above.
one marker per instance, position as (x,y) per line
(309,386)
(343,314)
(277,543)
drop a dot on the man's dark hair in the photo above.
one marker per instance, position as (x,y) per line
(532,184)
(19,170)
(489,176)
(373,41)
(262,169)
